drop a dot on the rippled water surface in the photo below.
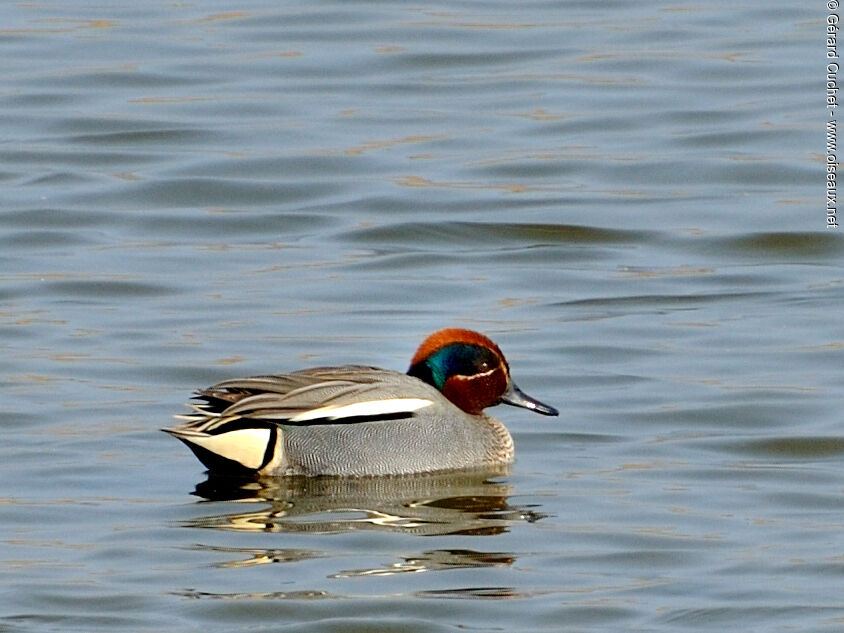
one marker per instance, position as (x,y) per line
(627,197)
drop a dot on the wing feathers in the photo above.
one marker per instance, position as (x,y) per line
(241,421)
(323,395)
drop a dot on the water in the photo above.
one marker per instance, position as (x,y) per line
(628,198)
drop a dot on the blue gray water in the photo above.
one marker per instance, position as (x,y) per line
(627,197)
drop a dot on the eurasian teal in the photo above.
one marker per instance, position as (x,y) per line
(356,420)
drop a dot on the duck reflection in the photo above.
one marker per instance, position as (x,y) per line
(474,502)
(466,502)
(249,557)
(435,560)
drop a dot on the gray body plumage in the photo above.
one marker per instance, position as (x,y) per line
(386,423)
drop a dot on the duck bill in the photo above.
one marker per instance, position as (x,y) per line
(519,398)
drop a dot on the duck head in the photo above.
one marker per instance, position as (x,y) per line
(470,371)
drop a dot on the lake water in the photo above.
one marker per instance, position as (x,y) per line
(628,197)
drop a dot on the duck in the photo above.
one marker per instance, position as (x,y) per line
(357,420)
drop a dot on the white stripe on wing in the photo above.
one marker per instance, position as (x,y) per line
(371,408)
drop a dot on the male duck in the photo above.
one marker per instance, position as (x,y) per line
(356,420)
